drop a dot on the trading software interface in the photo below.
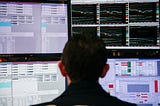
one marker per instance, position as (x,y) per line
(120,23)
(135,80)
(26,83)
(32,27)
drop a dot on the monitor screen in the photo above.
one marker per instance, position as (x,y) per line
(135,80)
(31,82)
(41,26)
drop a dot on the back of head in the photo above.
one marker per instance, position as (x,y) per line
(84,57)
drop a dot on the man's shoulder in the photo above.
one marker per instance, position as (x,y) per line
(113,101)
(86,97)
(90,101)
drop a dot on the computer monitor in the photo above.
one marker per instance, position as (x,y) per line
(25,83)
(34,26)
(134,79)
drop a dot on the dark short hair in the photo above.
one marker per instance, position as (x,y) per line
(84,57)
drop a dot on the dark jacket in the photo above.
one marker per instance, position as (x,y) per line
(88,94)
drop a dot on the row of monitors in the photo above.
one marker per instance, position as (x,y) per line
(115,13)
(123,36)
(45,26)
(131,79)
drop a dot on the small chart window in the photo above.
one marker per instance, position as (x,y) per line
(113,36)
(112,13)
(142,12)
(82,30)
(84,14)
(143,36)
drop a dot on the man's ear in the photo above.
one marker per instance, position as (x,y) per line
(105,70)
(62,68)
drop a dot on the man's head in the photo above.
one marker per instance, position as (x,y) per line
(84,58)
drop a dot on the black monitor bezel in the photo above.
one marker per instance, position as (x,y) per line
(133,53)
